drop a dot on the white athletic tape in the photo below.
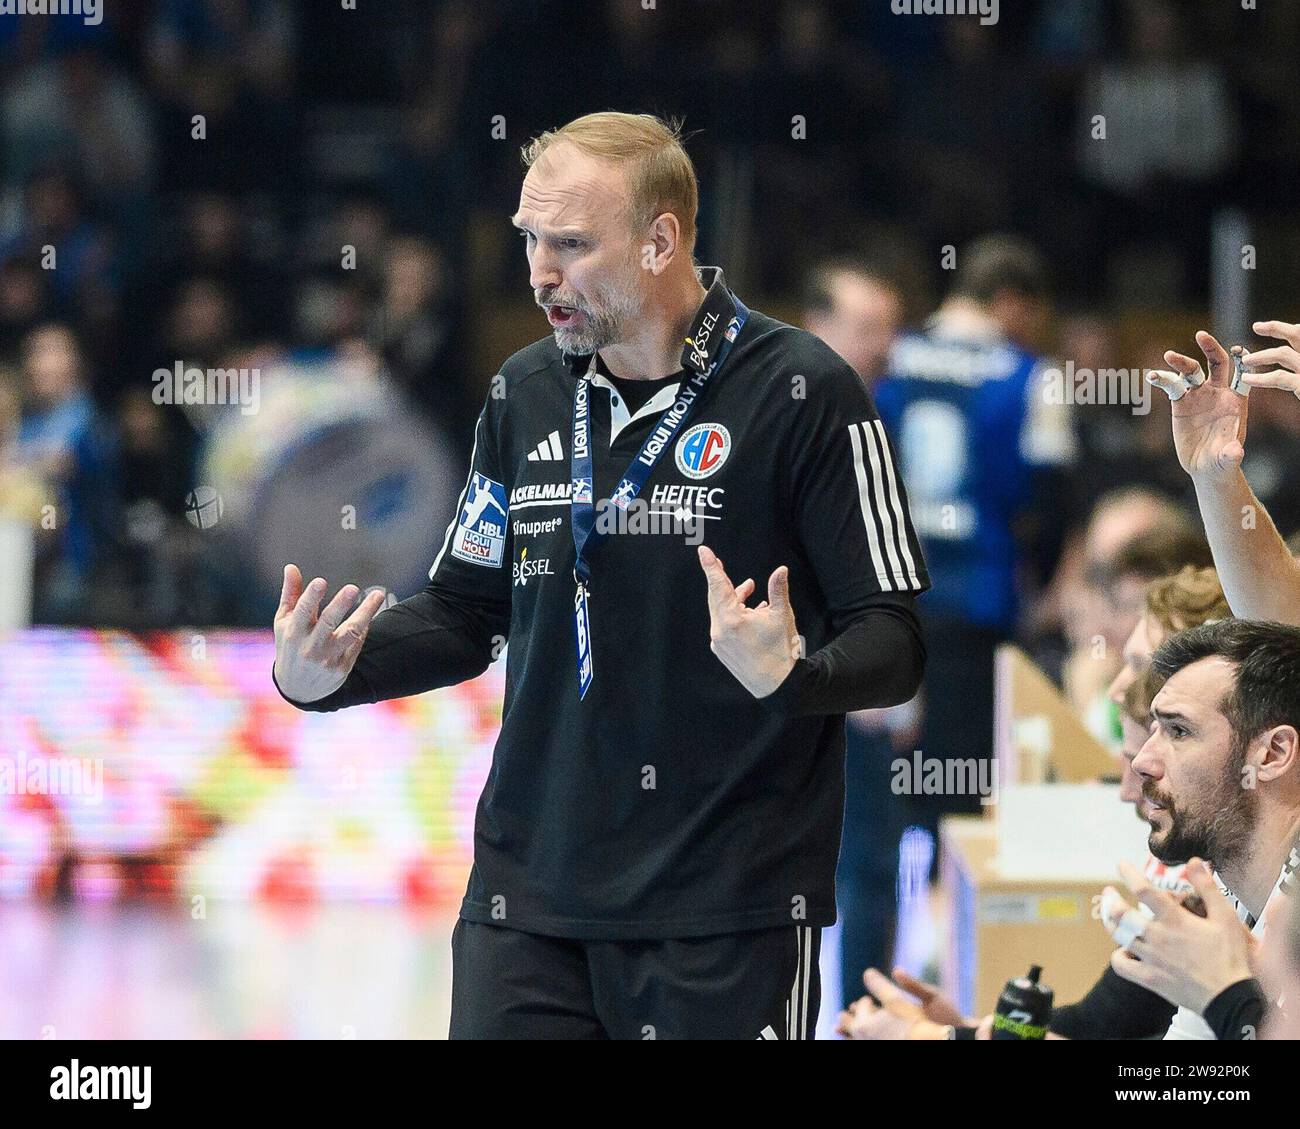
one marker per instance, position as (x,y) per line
(1112,908)
(1170,383)
(1131,926)
(1238,382)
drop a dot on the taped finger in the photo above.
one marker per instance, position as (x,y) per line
(1112,908)
(1238,380)
(1130,927)
(1170,383)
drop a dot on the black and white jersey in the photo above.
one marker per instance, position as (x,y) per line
(667,802)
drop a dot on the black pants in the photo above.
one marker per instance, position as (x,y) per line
(958,723)
(866,880)
(507,984)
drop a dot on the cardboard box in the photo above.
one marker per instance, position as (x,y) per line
(999,926)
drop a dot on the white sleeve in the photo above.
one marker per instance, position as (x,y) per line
(1187,1025)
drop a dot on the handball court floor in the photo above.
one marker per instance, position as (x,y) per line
(245,971)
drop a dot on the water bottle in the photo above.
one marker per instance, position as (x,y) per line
(1024,1008)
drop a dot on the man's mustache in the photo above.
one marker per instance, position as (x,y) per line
(552,300)
(1163,799)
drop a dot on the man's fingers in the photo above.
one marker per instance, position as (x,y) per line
(1285,376)
(881,986)
(1152,944)
(339,647)
(1216,905)
(778,588)
(1187,374)
(1283,356)
(1284,330)
(1133,878)
(919,988)
(304,611)
(744,590)
(1132,969)
(721,590)
(357,626)
(1191,370)
(290,590)
(1216,358)
(1275,378)
(1170,383)
(1131,927)
(1199,874)
(1156,900)
(336,611)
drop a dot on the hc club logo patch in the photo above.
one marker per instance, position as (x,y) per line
(703,449)
(481,526)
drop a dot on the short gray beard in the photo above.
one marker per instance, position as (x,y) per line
(606,318)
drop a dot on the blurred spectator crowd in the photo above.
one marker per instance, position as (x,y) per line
(181,182)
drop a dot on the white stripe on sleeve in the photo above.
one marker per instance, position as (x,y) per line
(864,501)
(896,504)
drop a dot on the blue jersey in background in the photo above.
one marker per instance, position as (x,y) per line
(973,423)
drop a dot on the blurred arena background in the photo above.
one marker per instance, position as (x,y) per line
(215,863)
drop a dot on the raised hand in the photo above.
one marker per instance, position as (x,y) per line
(1285,358)
(1185,958)
(315,650)
(1209,418)
(758,645)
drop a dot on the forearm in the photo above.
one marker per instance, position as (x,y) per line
(427,641)
(877,660)
(1238,1011)
(1259,576)
(1114,1008)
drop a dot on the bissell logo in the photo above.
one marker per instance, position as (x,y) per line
(526,570)
(700,342)
(703,450)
